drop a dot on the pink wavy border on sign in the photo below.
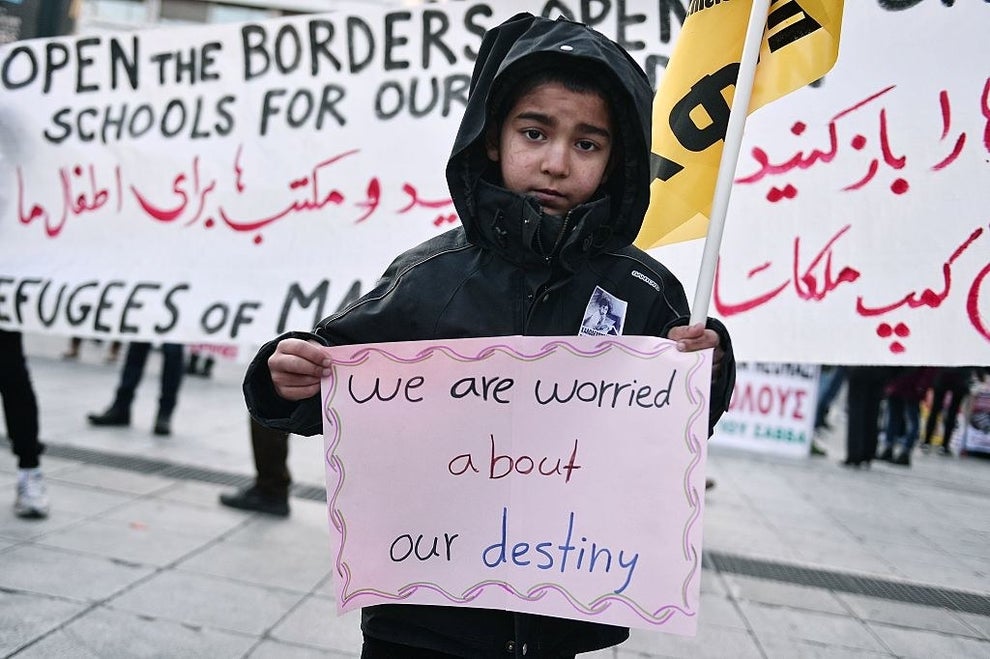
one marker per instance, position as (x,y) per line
(695,396)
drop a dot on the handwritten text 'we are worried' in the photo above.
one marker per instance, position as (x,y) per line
(598,393)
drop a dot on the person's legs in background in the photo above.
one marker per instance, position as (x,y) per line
(896,426)
(270,492)
(936,410)
(172,370)
(950,416)
(20,408)
(75,343)
(906,442)
(864,396)
(194,368)
(829,386)
(113,352)
(119,412)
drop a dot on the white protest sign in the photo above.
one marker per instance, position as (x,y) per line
(772,409)
(555,475)
(222,184)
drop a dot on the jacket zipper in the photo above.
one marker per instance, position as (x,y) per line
(541,294)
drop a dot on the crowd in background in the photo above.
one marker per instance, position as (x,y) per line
(891,410)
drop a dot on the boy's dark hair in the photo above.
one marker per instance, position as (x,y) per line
(527,74)
(520,80)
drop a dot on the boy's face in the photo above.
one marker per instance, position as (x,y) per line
(554,145)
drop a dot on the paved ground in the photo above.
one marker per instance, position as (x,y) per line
(803,558)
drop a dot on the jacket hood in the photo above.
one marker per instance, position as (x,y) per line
(509,52)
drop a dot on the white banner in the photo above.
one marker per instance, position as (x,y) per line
(772,409)
(221,184)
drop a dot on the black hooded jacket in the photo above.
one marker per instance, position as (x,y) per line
(494,276)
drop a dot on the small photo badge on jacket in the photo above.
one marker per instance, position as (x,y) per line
(604,316)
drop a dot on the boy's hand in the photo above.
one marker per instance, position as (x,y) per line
(297,367)
(695,337)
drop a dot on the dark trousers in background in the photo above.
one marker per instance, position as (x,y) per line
(864,394)
(130,378)
(949,414)
(20,406)
(271,455)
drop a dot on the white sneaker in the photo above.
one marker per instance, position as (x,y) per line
(32,497)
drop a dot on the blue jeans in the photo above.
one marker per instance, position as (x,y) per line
(829,387)
(903,419)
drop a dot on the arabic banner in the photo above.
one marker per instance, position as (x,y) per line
(221,184)
(550,488)
(691,109)
(858,230)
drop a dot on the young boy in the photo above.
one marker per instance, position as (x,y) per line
(550,176)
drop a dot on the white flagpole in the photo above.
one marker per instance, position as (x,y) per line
(730,155)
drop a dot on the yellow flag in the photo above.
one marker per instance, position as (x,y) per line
(691,108)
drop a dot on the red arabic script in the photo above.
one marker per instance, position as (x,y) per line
(813,282)
(928,297)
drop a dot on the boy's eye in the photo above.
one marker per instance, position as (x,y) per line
(586,145)
(532,134)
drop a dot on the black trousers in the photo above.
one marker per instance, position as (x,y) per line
(271,455)
(20,406)
(130,377)
(376,649)
(865,392)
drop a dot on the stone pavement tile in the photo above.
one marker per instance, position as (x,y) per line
(327,587)
(958,575)
(919,551)
(712,583)
(979,624)
(978,564)
(192,493)
(905,615)
(971,543)
(107,633)
(299,567)
(306,526)
(25,617)
(116,480)
(712,642)
(269,649)
(925,644)
(783,647)
(744,535)
(847,557)
(139,543)
(778,593)
(719,611)
(38,569)
(812,528)
(315,623)
(195,599)
(84,500)
(875,526)
(177,516)
(824,628)
(14,529)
